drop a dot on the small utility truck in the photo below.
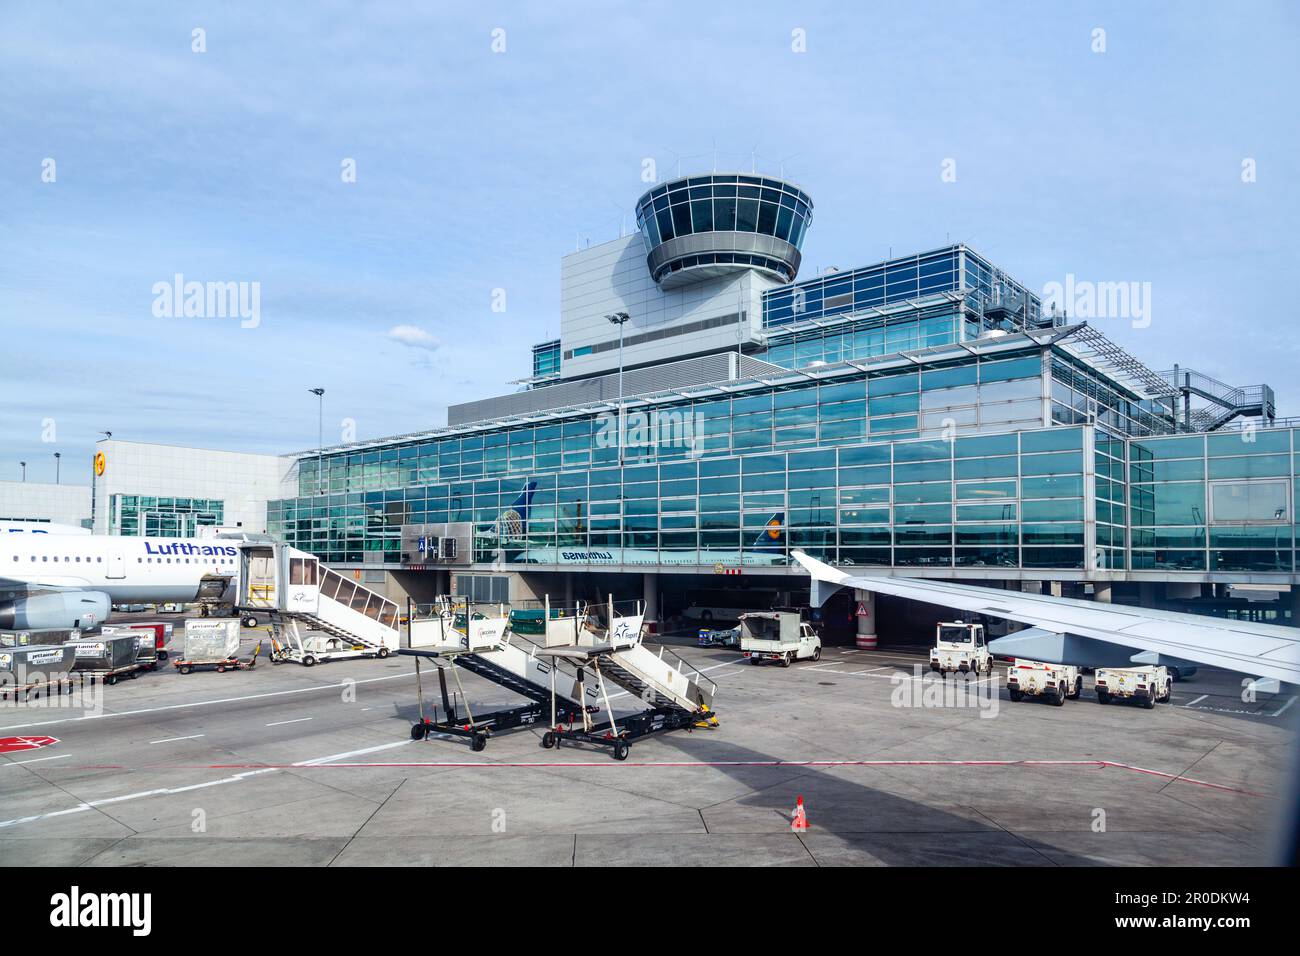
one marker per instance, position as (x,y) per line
(1056,682)
(960,647)
(778,636)
(1146,685)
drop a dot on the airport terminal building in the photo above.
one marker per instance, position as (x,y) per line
(705,411)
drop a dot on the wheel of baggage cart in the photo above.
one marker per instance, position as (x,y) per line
(221,668)
(478,742)
(419,731)
(383,652)
(111,679)
(1103,696)
(134,674)
(754,661)
(1016,694)
(549,740)
(250,621)
(308,660)
(185,668)
(621,750)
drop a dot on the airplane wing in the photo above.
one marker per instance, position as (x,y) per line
(1258,650)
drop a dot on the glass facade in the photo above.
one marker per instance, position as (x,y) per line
(546,360)
(1214,502)
(934,298)
(701,493)
(161,517)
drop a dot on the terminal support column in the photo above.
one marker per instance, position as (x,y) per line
(650,594)
(1101,591)
(866,601)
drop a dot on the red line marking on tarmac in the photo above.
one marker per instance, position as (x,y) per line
(553,764)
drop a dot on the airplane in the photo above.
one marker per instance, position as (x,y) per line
(65,581)
(21,526)
(1092,634)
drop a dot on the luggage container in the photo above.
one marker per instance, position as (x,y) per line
(210,640)
(161,630)
(107,657)
(214,643)
(31,669)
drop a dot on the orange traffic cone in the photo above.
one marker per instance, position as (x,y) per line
(800,819)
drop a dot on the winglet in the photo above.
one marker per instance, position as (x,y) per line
(825,579)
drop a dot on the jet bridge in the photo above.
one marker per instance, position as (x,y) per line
(295,588)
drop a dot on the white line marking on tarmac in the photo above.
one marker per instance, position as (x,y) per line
(316,761)
(208,703)
(297,720)
(161,792)
(169,740)
(1285,707)
(19,763)
(1197,701)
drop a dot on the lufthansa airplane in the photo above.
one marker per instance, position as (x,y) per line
(1088,633)
(52,581)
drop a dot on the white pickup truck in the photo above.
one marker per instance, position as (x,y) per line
(1147,685)
(1056,682)
(960,647)
(778,636)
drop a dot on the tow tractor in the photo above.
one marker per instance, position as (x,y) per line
(959,646)
(1147,685)
(1056,682)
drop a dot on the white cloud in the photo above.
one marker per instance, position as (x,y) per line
(413,336)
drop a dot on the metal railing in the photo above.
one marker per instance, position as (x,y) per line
(681,666)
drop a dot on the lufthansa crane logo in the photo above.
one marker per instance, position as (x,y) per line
(774,529)
(100,462)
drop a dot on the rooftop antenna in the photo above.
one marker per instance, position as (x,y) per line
(715,154)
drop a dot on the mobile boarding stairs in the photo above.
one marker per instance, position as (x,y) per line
(301,595)
(551,673)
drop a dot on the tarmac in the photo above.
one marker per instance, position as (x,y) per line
(288,765)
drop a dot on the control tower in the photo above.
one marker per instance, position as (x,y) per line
(702,227)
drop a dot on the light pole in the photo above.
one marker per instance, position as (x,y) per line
(320,435)
(57,456)
(620,319)
(24,467)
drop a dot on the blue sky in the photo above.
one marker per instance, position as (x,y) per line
(478,170)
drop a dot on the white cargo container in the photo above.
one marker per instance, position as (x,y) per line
(208,640)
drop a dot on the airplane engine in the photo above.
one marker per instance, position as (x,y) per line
(55,611)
